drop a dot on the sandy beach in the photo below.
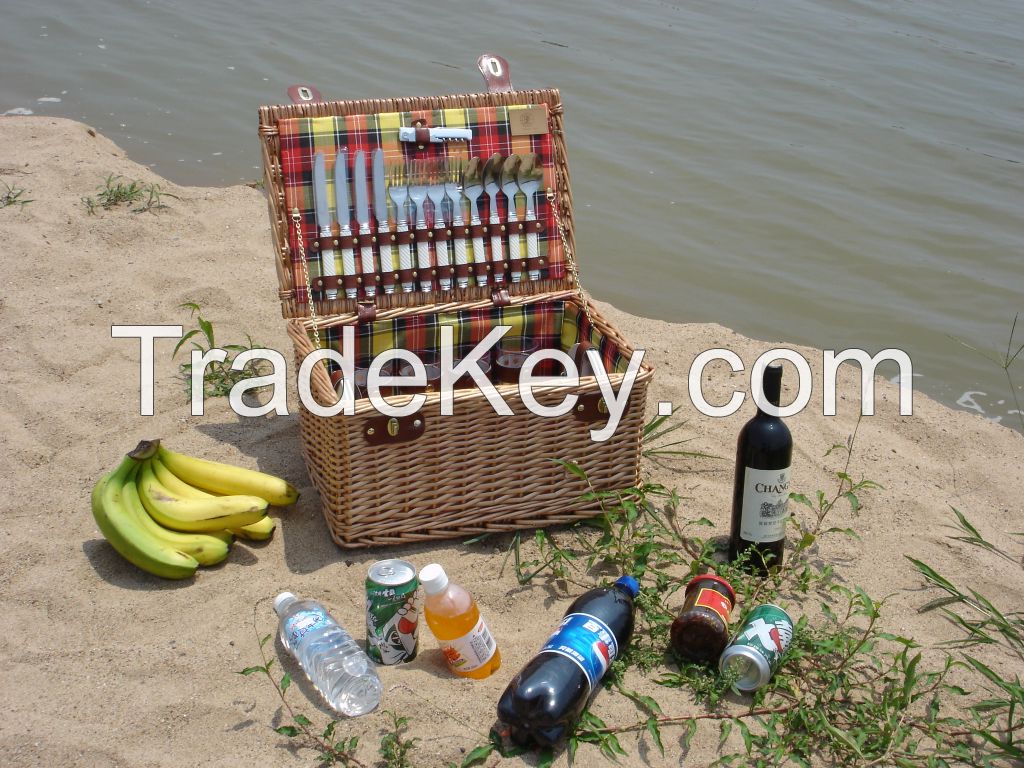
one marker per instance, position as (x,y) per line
(104,665)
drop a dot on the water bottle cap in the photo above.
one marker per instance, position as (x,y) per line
(282,600)
(630,584)
(433,578)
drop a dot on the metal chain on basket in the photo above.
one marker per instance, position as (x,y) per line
(569,257)
(297,219)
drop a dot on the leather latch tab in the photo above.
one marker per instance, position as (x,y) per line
(592,407)
(500,297)
(384,430)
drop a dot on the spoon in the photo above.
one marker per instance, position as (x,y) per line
(472,188)
(492,186)
(509,187)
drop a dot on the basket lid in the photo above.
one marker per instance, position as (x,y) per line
(296,138)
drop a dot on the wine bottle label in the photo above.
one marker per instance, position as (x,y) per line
(471,651)
(587,641)
(765,495)
(301,624)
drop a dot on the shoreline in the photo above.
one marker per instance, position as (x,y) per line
(161,659)
(984,394)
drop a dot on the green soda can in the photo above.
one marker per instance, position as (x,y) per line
(392,612)
(758,647)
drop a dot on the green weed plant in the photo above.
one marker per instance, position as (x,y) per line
(219,377)
(140,196)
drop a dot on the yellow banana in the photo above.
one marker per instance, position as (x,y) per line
(206,548)
(178,513)
(261,530)
(224,478)
(175,484)
(122,529)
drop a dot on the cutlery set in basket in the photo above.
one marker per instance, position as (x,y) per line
(429,212)
(398,217)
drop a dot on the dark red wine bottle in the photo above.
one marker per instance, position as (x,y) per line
(764,452)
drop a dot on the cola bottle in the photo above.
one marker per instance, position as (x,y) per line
(543,701)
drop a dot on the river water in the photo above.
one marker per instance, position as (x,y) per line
(837,173)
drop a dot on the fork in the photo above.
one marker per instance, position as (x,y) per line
(436,193)
(418,180)
(398,191)
(453,189)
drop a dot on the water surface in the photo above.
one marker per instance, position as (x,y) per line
(836,173)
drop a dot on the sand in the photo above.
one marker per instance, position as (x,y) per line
(103,665)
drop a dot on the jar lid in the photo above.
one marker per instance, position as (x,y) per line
(718,579)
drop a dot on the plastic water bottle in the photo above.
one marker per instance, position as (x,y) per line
(335,665)
(543,702)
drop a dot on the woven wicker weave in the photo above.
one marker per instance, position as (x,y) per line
(475,471)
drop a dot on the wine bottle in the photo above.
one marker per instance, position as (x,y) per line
(763,455)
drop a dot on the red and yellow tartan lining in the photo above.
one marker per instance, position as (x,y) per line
(302,137)
(554,324)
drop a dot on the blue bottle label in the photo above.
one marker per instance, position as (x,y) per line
(302,623)
(587,641)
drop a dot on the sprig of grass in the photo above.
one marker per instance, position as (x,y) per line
(219,377)
(13,196)
(998,720)
(116,191)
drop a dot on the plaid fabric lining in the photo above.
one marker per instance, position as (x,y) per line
(551,324)
(576,327)
(302,138)
(421,333)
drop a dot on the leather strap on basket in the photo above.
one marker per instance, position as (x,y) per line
(569,257)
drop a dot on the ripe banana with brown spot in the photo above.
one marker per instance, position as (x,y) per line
(261,530)
(204,515)
(122,528)
(216,477)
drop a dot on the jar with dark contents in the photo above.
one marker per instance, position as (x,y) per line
(701,631)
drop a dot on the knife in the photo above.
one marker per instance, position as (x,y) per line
(323,218)
(348,256)
(380,211)
(363,217)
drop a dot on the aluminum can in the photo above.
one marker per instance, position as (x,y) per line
(758,647)
(392,611)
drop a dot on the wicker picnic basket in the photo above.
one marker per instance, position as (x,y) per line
(386,481)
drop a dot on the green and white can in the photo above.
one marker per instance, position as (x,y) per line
(757,649)
(392,612)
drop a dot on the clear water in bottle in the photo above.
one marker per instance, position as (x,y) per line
(334,663)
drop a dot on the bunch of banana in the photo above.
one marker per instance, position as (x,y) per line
(169,513)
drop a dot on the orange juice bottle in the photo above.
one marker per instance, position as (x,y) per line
(452,615)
